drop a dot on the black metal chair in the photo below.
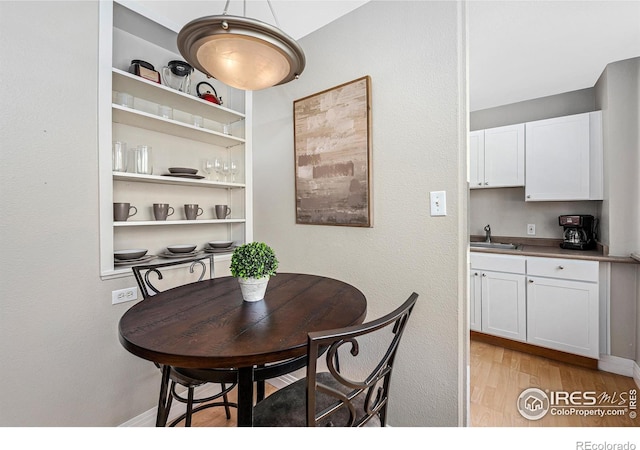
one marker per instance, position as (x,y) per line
(151,281)
(354,395)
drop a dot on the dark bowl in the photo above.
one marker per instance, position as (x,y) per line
(134,253)
(188,248)
(183,170)
(220,244)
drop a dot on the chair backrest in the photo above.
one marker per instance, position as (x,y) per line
(153,278)
(335,398)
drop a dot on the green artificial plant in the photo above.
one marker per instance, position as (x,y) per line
(253,260)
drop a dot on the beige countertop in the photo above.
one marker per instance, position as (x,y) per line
(550,248)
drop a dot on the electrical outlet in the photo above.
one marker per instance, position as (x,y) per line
(531,229)
(124,295)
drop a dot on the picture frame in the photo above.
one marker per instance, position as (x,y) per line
(332,150)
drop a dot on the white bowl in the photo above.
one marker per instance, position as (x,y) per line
(187,248)
(134,253)
(220,244)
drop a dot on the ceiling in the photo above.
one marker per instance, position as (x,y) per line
(518,50)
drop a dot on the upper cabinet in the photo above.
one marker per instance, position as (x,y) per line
(497,157)
(564,158)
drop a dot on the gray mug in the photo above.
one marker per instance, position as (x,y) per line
(122,211)
(162,210)
(192,211)
(222,211)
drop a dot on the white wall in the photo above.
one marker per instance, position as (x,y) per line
(62,362)
(410,50)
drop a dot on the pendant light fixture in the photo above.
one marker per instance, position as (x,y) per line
(241,52)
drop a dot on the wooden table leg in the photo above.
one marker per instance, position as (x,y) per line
(164,402)
(245,396)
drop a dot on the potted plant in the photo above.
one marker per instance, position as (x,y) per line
(252,264)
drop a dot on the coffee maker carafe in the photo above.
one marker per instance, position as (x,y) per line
(579,232)
(177,75)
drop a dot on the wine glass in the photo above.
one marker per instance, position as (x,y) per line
(207,166)
(233,168)
(217,165)
(225,169)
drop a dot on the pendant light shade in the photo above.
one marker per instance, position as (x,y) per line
(241,52)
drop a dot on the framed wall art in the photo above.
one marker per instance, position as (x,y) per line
(332,145)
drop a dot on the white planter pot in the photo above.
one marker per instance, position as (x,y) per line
(253,289)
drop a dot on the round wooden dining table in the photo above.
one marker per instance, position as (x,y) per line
(207,325)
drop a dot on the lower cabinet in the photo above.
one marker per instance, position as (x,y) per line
(549,302)
(499,288)
(562,313)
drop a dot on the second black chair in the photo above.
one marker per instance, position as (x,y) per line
(153,279)
(355,395)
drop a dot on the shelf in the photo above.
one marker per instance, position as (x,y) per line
(141,119)
(125,270)
(158,93)
(146,223)
(175,181)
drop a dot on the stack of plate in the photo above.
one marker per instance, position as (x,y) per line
(131,256)
(219,247)
(180,251)
(183,172)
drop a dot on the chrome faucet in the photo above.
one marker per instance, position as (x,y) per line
(487,229)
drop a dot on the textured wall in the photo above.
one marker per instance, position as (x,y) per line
(58,330)
(410,50)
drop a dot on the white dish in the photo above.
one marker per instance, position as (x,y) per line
(167,254)
(129,254)
(220,250)
(220,244)
(129,262)
(184,248)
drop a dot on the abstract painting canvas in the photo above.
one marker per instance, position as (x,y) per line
(332,144)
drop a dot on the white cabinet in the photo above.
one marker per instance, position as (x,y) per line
(562,305)
(564,158)
(497,157)
(501,294)
(557,309)
(222,132)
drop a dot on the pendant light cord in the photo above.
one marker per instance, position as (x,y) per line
(244,10)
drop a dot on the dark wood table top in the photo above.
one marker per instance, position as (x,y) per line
(208,325)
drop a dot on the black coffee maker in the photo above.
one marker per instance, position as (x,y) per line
(580,232)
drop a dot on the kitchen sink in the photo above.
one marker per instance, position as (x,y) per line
(496,245)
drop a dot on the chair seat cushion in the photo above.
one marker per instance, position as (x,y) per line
(287,407)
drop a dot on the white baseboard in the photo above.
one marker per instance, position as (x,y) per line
(148,418)
(620,366)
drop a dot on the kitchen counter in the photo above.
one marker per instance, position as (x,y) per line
(550,248)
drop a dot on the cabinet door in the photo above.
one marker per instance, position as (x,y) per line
(563,315)
(476,159)
(558,159)
(504,305)
(475,301)
(504,156)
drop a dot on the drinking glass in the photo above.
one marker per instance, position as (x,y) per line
(207,166)
(143,163)
(217,165)
(233,168)
(225,169)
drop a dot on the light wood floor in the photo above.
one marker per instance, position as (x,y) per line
(498,377)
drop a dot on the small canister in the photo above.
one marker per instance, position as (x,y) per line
(145,70)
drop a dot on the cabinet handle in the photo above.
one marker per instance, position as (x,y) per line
(475,274)
(530,281)
(484,274)
(486,183)
(479,184)
(561,267)
(528,196)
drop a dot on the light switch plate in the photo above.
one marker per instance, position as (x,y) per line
(438,203)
